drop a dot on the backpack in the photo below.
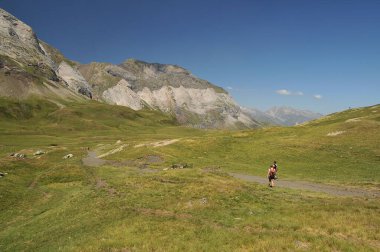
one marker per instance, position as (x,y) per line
(272,173)
(275,167)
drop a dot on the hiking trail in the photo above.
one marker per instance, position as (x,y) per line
(93,160)
(315,187)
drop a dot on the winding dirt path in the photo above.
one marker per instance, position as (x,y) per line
(92,159)
(315,187)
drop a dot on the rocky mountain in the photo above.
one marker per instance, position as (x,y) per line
(169,88)
(285,116)
(29,66)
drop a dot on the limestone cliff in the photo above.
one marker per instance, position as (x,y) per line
(19,42)
(30,67)
(121,94)
(169,88)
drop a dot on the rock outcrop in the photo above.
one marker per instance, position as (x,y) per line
(19,42)
(169,88)
(74,79)
(121,94)
(28,66)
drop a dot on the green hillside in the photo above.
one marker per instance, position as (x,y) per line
(136,202)
(341,148)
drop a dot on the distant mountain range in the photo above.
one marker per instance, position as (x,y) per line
(285,116)
(30,67)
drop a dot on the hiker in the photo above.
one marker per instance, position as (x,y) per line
(271,175)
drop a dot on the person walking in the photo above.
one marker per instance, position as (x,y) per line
(271,175)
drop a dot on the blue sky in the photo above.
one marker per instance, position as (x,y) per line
(318,55)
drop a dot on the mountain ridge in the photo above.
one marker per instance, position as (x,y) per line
(172,89)
(282,115)
(291,116)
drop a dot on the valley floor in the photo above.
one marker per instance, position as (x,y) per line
(136,184)
(93,160)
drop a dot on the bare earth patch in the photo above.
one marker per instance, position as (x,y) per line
(335,133)
(113,151)
(163,213)
(92,160)
(142,163)
(354,120)
(158,144)
(101,184)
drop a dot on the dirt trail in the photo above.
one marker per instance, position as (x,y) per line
(92,159)
(303,185)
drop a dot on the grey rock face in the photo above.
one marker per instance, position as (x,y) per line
(19,42)
(28,68)
(123,95)
(74,79)
(169,88)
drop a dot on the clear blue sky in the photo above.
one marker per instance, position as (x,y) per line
(264,53)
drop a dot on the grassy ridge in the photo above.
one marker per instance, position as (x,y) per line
(49,203)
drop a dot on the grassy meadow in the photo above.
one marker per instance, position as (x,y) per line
(135,202)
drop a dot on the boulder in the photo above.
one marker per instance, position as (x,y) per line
(18,155)
(68,156)
(85,91)
(38,153)
(182,166)
(204,201)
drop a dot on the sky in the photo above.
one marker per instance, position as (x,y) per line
(322,56)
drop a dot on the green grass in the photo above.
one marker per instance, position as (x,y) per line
(50,204)
(303,152)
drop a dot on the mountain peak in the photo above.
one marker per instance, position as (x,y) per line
(154,68)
